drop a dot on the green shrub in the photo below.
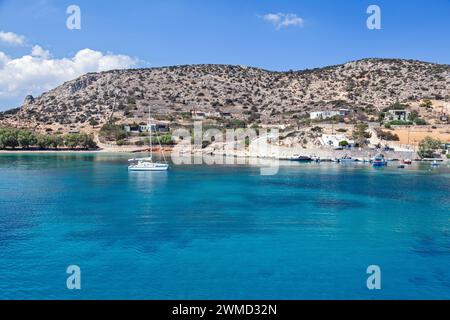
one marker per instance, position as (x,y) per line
(121,143)
(235,124)
(400,123)
(420,122)
(426,104)
(387,135)
(165,139)
(93,122)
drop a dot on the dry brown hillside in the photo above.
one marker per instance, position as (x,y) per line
(263,96)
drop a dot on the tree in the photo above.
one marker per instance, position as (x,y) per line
(343,143)
(9,138)
(93,122)
(26,139)
(72,141)
(413,115)
(428,147)
(43,141)
(56,141)
(360,133)
(86,141)
(12,138)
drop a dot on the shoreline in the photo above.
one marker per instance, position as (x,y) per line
(131,151)
(100,150)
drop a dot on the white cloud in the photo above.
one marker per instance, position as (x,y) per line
(38,72)
(12,38)
(39,52)
(3,59)
(283,20)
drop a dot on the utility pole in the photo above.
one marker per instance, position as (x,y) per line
(409,133)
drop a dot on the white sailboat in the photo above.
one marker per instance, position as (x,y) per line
(147,164)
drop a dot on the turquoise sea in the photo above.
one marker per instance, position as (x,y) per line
(221,232)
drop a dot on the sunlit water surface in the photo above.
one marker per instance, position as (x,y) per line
(221,232)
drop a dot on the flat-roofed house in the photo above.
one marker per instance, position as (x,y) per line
(320,115)
(226,115)
(162,127)
(334,140)
(198,115)
(398,115)
(147,128)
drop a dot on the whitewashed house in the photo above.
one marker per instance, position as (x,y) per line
(334,140)
(319,115)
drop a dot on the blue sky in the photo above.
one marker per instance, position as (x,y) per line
(173,32)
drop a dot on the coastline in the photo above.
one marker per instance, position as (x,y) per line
(328,158)
(48,151)
(99,151)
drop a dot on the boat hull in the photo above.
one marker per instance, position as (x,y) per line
(347,160)
(302,160)
(379,164)
(150,168)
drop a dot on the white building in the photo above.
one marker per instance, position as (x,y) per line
(398,115)
(323,115)
(147,128)
(226,115)
(198,115)
(329,114)
(334,140)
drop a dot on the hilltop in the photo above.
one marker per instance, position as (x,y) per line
(254,95)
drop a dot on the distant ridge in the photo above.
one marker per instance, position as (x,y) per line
(367,85)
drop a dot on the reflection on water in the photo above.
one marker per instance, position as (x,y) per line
(148,179)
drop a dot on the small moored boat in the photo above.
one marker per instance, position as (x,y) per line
(379,161)
(407,161)
(346,159)
(299,158)
(147,164)
(435,164)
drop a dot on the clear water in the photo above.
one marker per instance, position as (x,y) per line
(204,232)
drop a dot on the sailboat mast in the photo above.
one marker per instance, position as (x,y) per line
(150,131)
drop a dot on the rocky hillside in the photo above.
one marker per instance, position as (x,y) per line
(263,96)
